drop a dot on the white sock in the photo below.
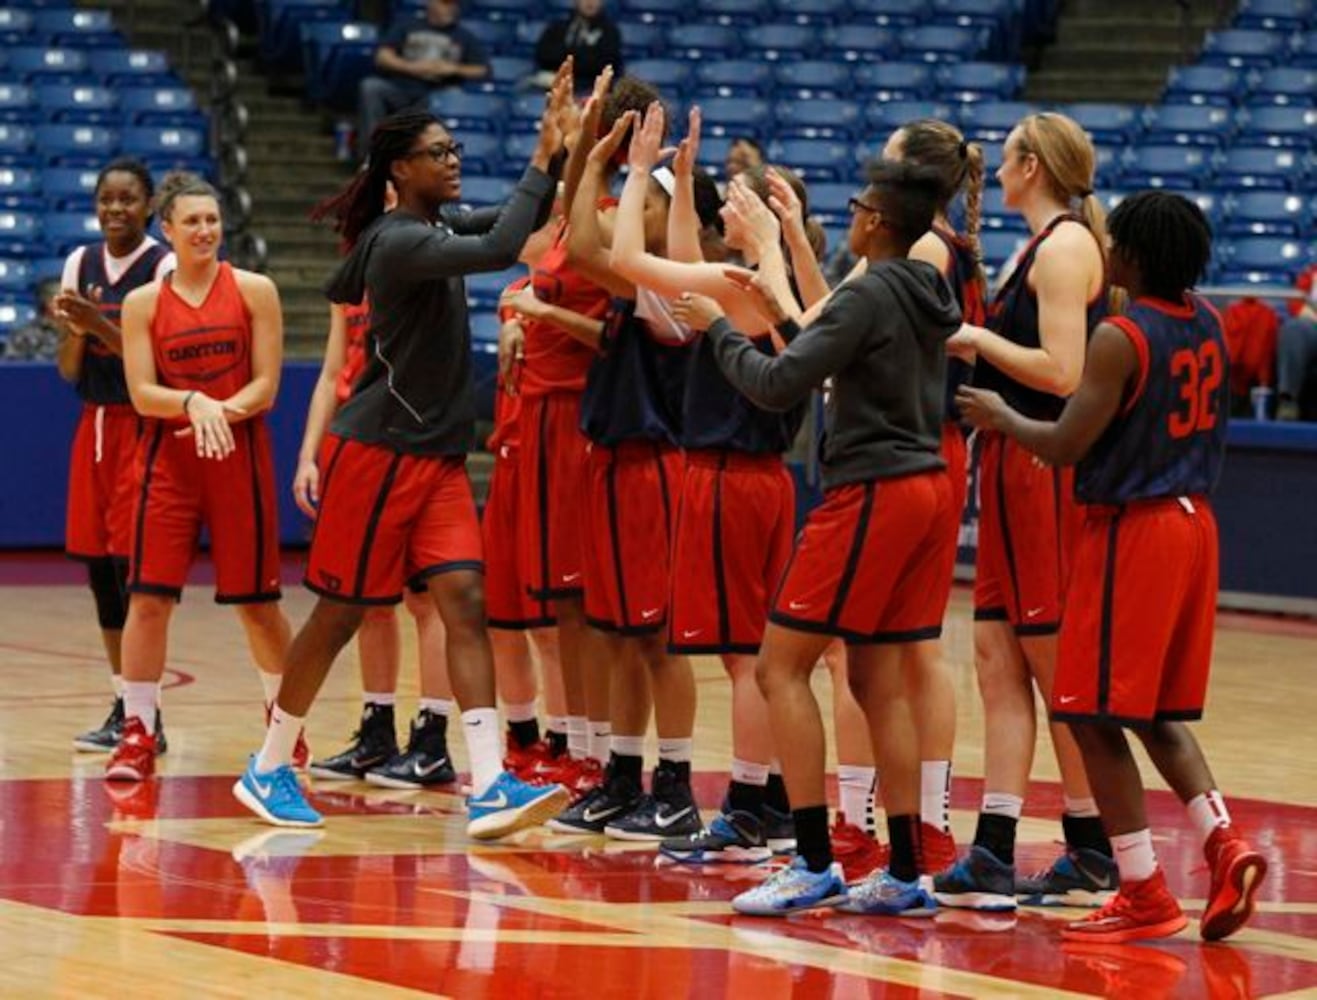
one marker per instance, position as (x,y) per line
(379,698)
(270,684)
(1134,855)
(628,746)
(1001,804)
(139,701)
(522,711)
(935,794)
(676,751)
(855,793)
(749,773)
(437,706)
(1208,811)
(556,724)
(1081,808)
(598,735)
(280,738)
(117,682)
(483,747)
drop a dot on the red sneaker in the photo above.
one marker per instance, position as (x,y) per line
(580,777)
(1237,871)
(524,761)
(1140,910)
(860,855)
(936,851)
(134,757)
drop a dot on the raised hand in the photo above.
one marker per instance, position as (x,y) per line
(556,117)
(606,148)
(754,215)
(688,152)
(784,202)
(646,143)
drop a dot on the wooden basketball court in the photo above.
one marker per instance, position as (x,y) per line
(172,889)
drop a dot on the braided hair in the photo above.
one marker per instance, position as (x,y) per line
(928,142)
(1167,237)
(361,201)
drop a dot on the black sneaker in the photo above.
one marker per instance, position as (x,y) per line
(424,763)
(668,813)
(373,744)
(1079,877)
(614,798)
(732,838)
(779,830)
(106,737)
(161,744)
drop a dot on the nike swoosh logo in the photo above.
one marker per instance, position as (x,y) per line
(498,802)
(571,577)
(1066,699)
(264,791)
(797,606)
(425,772)
(590,816)
(651,613)
(1034,612)
(1102,883)
(663,822)
(691,635)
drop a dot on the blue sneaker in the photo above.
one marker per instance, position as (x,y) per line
(509,805)
(275,797)
(735,837)
(793,888)
(1079,877)
(882,894)
(978,881)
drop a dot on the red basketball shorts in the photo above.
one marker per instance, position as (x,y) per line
(386,520)
(1136,644)
(99,522)
(733,540)
(234,499)
(508,603)
(1028,520)
(956,455)
(630,508)
(553,478)
(873,563)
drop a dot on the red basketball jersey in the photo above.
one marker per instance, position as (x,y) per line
(206,347)
(507,408)
(357,319)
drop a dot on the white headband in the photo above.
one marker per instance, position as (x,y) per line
(665,180)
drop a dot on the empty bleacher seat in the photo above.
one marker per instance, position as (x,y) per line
(1203,85)
(1244,49)
(164,142)
(510,10)
(466,111)
(523,112)
(494,35)
(336,56)
(943,43)
(1248,168)
(160,106)
(886,117)
(999,246)
(695,41)
(733,78)
(65,231)
(15,25)
(640,40)
(1268,213)
(860,42)
(133,67)
(826,119)
(1265,259)
(670,76)
(48,65)
(714,150)
(736,116)
(15,315)
(1189,125)
(814,159)
(995,17)
(77,28)
(1166,166)
(978,81)
(506,73)
(18,103)
(896,13)
(481,191)
(525,34)
(76,145)
(992,121)
(281,23)
(812,77)
(16,276)
(737,12)
(484,290)
(20,234)
(816,12)
(893,81)
(1303,50)
(780,41)
(830,201)
(1106,122)
(1286,85)
(996,215)
(20,188)
(69,189)
(16,145)
(1273,15)
(1278,126)
(483,154)
(656,11)
(79,103)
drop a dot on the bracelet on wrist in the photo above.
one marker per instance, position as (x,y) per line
(187,401)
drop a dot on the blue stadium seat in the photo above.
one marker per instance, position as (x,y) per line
(75,28)
(977,81)
(16,145)
(522,113)
(670,76)
(640,40)
(79,104)
(495,35)
(736,116)
(484,290)
(893,81)
(1189,125)
(526,33)
(1106,122)
(506,74)
(814,159)
(1273,15)
(510,10)
(887,117)
(1243,49)
(733,78)
(1107,164)
(860,42)
(1268,213)
(816,12)
(999,246)
(176,106)
(941,43)
(831,202)
(466,111)
(833,118)
(44,268)
(281,24)
(1285,85)
(695,41)
(76,145)
(736,12)
(20,234)
(65,231)
(16,276)
(997,216)
(15,315)
(69,189)
(992,121)
(18,104)
(16,26)
(1166,166)
(1278,126)
(134,67)
(20,188)
(48,65)
(656,11)
(1303,50)
(812,78)
(480,191)
(893,13)
(485,154)
(484,330)
(713,152)
(781,41)
(1247,169)
(1265,260)
(336,56)
(996,17)
(1203,85)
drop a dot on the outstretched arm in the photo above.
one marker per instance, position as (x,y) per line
(585,242)
(683,220)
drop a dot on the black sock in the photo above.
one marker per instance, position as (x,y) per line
(812,841)
(626,770)
(775,794)
(524,733)
(678,771)
(557,742)
(902,835)
(746,798)
(997,834)
(1085,832)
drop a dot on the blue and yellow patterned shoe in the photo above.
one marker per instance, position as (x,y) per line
(793,888)
(884,895)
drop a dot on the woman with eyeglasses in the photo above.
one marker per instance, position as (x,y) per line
(397,449)
(1032,353)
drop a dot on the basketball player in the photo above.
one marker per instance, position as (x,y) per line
(1147,429)
(399,446)
(1033,354)
(202,353)
(96,280)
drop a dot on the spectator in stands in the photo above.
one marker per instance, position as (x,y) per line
(1297,347)
(416,57)
(1250,327)
(589,36)
(38,340)
(744,154)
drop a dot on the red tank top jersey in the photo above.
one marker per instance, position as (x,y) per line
(507,408)
(357,318)
(206,347)
(555,360)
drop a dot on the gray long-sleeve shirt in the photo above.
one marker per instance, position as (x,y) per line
(882,340)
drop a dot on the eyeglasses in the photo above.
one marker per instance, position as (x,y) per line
(856,206)
(439,152)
